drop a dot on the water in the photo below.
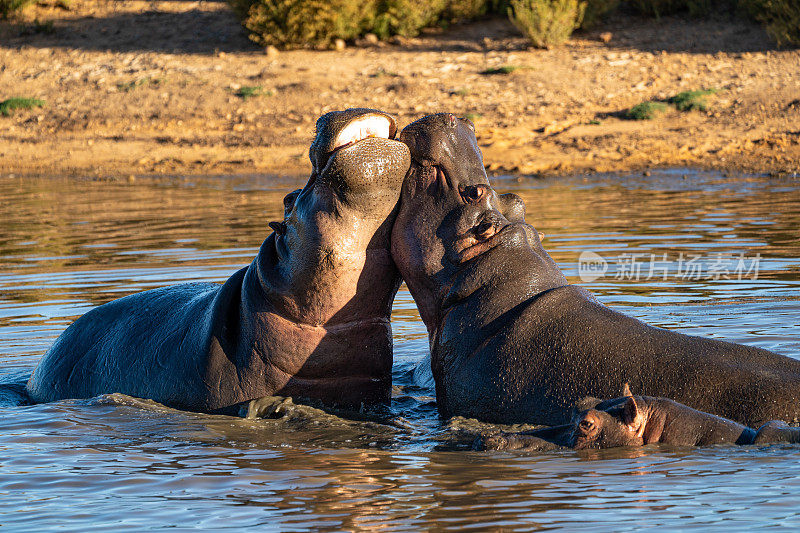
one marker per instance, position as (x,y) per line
(116,463)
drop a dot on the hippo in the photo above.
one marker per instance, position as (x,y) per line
(640,420)
(511,341)
(309,317)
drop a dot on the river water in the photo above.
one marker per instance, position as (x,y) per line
(698,252)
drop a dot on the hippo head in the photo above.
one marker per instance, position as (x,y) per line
(618,422)
(329,260)
(453,232)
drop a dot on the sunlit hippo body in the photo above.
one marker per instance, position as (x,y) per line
(639,420)
(511,341)
(309,317)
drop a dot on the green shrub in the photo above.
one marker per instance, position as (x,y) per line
(596,10)
(7,7)
(781,18)
(249,91)
(405,17)
(456,10)
(505,69)
(546,22)
(6,106)
(691,100)
(646,111)
(295,23)
(298,23)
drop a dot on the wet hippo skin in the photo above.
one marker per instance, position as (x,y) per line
(511,341)
(309,317)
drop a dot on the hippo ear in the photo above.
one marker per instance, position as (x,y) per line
(632,416)
(626,389)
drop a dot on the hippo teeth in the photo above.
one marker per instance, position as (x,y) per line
(363,128)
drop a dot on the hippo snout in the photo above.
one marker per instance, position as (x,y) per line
(490,230)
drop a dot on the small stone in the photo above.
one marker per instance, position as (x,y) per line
(339,45)
(606,36)
(271,51)
(371,39)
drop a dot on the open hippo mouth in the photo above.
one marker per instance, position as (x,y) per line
(372,125)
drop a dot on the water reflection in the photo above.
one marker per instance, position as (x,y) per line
(116,462)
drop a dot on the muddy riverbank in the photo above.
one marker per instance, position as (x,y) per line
(138,88)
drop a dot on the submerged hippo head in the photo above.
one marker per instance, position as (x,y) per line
(617,425)
(453,232)
(330,257)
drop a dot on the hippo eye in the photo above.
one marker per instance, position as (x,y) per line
(472,194)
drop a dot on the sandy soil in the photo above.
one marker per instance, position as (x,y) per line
(136,88)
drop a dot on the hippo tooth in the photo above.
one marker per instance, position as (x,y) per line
(368,126)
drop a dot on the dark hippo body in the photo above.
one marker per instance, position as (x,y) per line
(640,420)
(511,341)
(309,317)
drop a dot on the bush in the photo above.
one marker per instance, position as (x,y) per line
(298,23)
(456,10)
(781,18)
(691,100)
(547,22)
(295,23)
(505,69)
(6,106)
(405,17)
(646,111)
(7,7)
(596,10)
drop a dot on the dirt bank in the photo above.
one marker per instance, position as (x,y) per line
(135,88)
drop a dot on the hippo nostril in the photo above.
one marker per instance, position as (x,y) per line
(484,229)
